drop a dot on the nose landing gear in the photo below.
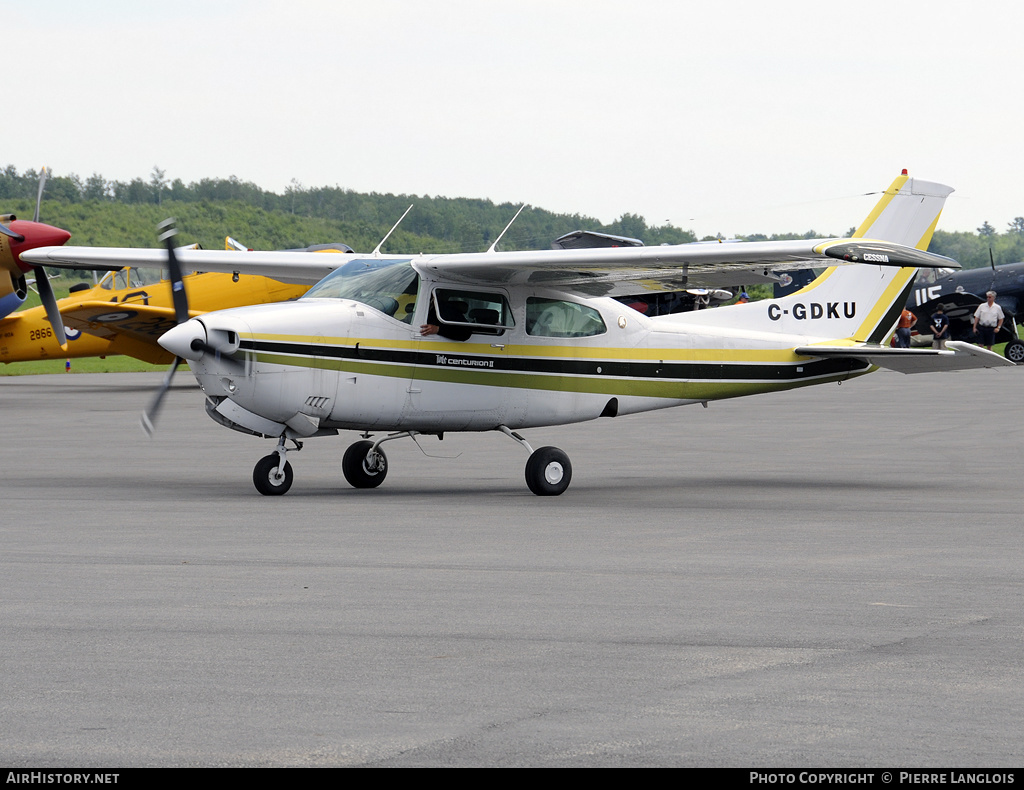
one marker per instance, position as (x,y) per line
(272,475)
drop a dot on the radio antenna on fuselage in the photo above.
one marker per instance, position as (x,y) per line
(493,247)
(376,250)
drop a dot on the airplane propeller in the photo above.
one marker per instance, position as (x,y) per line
(7,231)
(39,235)
(179,298)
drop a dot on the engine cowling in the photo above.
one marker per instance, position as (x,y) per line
(16,237)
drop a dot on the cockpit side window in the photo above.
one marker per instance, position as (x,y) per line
(481,312)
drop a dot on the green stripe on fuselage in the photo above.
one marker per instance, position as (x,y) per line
(674,389)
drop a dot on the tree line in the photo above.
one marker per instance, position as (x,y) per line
(436,224)
(100,212)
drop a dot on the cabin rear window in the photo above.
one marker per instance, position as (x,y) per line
(558,318)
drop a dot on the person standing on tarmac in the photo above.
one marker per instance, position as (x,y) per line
(988,320)
(906,323)
(940,328)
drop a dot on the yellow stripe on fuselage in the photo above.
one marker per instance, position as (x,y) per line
(610,353)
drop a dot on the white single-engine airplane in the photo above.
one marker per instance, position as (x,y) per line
(408,345)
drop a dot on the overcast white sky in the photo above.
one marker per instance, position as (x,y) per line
(720,117)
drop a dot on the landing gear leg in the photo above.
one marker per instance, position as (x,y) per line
(548,471)
(272,475)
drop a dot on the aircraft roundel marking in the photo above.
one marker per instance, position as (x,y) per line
(118,316)
(72,334)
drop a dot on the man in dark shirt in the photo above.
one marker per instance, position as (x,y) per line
(940,328)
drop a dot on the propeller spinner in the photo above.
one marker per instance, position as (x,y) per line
(20,236)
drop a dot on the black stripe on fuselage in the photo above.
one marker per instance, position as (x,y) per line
(892,315)
(716,371)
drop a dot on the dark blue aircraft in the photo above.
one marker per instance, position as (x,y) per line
(960,293)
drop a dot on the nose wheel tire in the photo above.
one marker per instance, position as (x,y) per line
(269,479)
(548,471)
(362,468)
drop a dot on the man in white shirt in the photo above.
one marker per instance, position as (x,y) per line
(988,320)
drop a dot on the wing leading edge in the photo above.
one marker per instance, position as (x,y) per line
(709,264)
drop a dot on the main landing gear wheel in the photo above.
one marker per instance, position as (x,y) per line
(362,468)
(548,471)
(1014,351)
(269,479)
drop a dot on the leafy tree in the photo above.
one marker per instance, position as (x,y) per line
(158,184)
(96,188)
(67,189)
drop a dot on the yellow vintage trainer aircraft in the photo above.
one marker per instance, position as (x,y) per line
(128,311)
(412,345)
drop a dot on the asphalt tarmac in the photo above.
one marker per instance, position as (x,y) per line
(822,578)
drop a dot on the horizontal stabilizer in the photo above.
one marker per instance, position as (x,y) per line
(956,356)
(584,239)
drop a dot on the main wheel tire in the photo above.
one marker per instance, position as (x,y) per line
(265,477)
(1014,351)
(548,471)
(360,469)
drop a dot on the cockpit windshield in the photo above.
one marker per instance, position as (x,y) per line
(385,285)
(929,276)
(131,278)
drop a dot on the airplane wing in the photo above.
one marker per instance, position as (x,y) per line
(710,265)
(292,267)
(957,356)
(110,320)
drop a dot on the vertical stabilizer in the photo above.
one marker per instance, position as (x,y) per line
(907,213)
(860,302)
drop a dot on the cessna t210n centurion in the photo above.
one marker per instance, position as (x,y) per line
(412,345)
